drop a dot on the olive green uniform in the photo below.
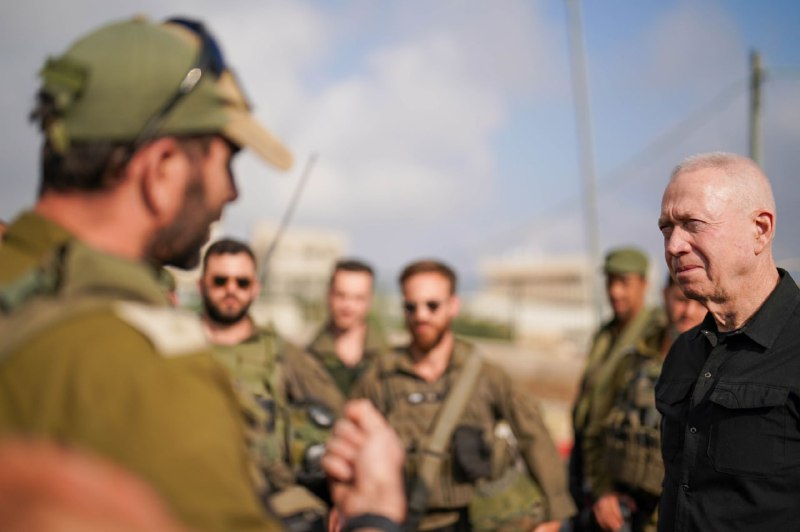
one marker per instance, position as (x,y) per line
(411,404)
(317,375)
(253,366)
(623,450)
(595,396)
(100,362)
(28,240)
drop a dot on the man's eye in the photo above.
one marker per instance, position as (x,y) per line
(694,225)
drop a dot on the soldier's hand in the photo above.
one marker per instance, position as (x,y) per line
(364,462)
(548,526)
(607,512)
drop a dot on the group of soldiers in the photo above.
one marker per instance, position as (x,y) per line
(119,412)
(615,468)
(298,391)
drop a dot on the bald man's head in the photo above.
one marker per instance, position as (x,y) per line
(737,175)
(718,222)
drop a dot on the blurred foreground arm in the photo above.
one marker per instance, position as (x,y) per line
(46,488)
(364,462)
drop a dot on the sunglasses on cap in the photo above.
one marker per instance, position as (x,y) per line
(222,280)
(411,306)
(209,61)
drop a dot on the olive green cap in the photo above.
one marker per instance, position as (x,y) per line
(626,260)
(110,83)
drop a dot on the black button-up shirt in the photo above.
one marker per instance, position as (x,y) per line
(731,422)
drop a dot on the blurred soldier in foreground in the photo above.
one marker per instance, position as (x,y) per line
(228,286)
(626,286)
(141,122)
(729,390)
(445,402)
(345,345)
(46,488)
(624,465)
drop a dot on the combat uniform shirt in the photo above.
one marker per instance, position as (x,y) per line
(411,404)
(103,364)
(731,422)
(254,368)
(26,242)
(316,375)
(622,452)
(594,398)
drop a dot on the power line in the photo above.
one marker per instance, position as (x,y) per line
(650,153)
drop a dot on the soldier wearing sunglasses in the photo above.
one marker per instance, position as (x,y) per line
(228,286)
(140,122)
(411,385)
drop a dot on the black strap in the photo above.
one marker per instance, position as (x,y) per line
(378,522)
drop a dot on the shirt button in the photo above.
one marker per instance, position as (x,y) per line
(707,375)
(692,429)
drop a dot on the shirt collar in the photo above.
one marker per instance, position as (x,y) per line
(769,320)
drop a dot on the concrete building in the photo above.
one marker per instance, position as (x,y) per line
(546,301)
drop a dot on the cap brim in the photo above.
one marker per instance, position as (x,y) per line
(246,132)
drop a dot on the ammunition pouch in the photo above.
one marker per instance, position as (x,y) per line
(299,510)
(471,452)
(310,426)
(511,500)
(633,453)
(510,503)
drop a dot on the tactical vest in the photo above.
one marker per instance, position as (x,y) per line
(632,434)
(252,364)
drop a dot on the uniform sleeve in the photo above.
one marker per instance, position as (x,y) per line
(173,420)
(289,360)
(369,386)
(595,470)
(306,380)
(536,445)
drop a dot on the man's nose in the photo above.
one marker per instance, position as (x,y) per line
(676,243)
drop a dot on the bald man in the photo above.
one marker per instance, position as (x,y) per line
(729,391)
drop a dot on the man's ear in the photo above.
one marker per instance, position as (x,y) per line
(163,168)
(764,223)
(455,305)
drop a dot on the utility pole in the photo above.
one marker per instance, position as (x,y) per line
(580,91)
(756,80)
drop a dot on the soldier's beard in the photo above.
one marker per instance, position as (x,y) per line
(222,317)
(428,339)
(180,243)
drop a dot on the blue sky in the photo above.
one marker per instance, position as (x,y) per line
(447,128)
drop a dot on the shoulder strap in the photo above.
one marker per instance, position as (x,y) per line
(434,445)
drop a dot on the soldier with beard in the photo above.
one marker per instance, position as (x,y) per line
(140,122)
(411,385)
(228,286)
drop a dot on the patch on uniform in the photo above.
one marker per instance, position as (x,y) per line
(173,332)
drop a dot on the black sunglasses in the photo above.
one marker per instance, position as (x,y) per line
(222,280)
(411,306)
(209,60)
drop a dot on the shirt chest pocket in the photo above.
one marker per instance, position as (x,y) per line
(748,428)
(672,400)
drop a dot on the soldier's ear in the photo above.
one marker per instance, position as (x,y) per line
(163,169)
(455,305)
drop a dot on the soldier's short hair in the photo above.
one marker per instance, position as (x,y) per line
(228,246)
(351,265)
(430,266)
(91,166)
